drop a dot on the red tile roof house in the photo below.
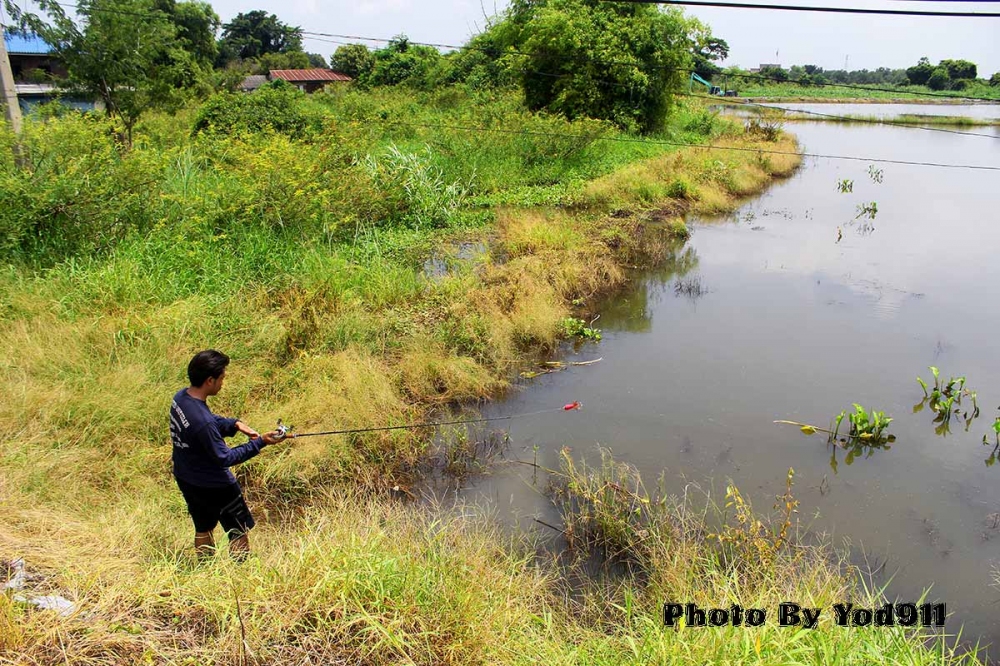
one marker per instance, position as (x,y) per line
(308,80)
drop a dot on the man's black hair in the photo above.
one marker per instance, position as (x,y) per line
(205,364)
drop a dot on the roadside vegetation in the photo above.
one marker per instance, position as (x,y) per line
(315,240)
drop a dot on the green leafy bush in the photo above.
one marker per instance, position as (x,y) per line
(276,107)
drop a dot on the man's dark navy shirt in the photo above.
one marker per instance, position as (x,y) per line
(201,456)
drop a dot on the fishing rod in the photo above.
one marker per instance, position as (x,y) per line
(286,432)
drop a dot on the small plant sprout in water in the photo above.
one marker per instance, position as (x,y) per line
(869,210)
(866,432)
(993,440)
(945,399)
(578,328)
(875,173)
(846,186)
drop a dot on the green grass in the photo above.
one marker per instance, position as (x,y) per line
(912,94)
(303,259)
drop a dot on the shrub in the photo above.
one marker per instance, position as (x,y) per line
(425,200)
(939,79)
(276,107)
(77,193)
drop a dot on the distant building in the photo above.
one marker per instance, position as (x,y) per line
(36,70)
(253,82)
(307,80)
(31,59)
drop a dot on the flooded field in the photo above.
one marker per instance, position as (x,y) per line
(805,301)
(978,111)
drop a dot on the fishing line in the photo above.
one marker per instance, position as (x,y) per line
(286,431)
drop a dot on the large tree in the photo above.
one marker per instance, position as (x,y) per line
(960,69)
(919,74)
(354,60)
(256,33)
(197,25)
(403,63)
(126,53)
(615,61)
(706,49)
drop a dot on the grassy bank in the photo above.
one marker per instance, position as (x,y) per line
(304,255)
(904,119)
(793,92)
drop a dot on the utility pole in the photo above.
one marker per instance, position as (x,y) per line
(11,106)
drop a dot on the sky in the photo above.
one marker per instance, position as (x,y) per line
(754,36)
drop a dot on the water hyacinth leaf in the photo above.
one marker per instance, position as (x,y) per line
(923,385)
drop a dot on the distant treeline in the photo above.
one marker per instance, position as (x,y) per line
(946,75)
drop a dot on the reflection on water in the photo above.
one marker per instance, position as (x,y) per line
(791,324)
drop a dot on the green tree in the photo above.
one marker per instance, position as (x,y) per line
(317,60)
(130,65)
(354,60)
(403,63)
(197,25)
(614,61)
(774,73)
(919,74)
(995,79)
(960,69)
(290,60)
(706,50)
(256,33)
(939,79)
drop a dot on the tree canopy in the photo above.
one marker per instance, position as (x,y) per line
(948,74)
(617,62)
(130,65)
(257,33)
(355,60)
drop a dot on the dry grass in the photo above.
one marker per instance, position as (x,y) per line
(344,576)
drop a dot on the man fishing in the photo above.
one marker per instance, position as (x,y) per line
(202,459)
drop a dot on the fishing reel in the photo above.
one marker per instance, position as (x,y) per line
(284,432)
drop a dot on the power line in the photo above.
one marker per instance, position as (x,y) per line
(661,142)
(804,8)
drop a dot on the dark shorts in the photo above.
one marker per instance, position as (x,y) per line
(210,506)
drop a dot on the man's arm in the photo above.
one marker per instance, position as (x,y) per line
(227,427)
(219,451)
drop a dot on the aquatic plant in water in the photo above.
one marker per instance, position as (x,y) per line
(995,444)
(578,328)
(945,399)
(869,210)
(867,428)
(846,186)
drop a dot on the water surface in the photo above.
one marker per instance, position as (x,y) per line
(775,318)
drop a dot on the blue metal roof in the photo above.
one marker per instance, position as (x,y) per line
(26,45)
